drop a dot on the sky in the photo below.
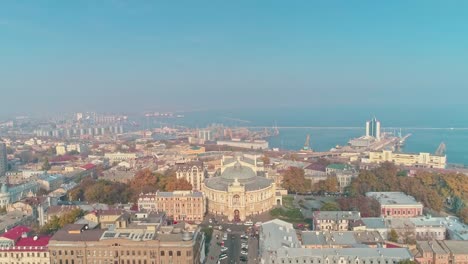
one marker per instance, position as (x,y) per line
(116,55)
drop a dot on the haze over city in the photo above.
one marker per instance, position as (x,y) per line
(188,55)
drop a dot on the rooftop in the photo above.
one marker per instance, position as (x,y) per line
(77,232)
(347,253)
(277,233)
(351,238)
(16,232)
(337,215)
(392,198)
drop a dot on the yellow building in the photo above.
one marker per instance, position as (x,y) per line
(239,192)
(425,160)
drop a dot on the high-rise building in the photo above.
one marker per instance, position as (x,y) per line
(205,135)
(3,159)
(373,128)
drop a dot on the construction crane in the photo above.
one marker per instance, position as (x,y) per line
(441,149)
(307,144)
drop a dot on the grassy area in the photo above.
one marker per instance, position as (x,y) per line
(293,215)
(288,202)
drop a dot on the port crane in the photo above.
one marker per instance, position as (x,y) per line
(441,149)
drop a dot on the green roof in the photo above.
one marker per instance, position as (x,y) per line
(339,166)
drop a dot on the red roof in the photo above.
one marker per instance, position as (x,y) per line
(16,232)
(88,166)
(30,242)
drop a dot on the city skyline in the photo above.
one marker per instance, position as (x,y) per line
(126,56)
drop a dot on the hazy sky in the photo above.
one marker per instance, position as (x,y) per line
(140,55)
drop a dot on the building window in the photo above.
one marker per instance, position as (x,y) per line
(162,253)
(179,253)
(170,253)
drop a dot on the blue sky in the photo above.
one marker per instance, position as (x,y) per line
(141,55)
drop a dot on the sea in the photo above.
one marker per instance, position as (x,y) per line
(332,126)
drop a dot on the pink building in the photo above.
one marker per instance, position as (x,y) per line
(397,204)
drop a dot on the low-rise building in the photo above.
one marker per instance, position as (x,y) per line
(397,204)
(442,252)
(341,239)
(144,244)
(425,160)
(334,220)
(50,182)
(19,247)
(338,255)
(279,244)
(255,144)
(180,205)
(15,193)
(118,156)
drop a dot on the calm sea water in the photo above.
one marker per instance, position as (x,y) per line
(329,127)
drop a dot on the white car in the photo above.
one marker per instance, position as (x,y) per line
(244,252)
(224,249)
(220,227)
(244,245)
(248,223)
(225,237)
(229,230)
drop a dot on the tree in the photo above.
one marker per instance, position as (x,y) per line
(46,165)
(393,236)
(145,181)
(369,207)
(55,223)
(42,192)
(266,160)
(464,215)
(328,185)
(457,204)
(294,180)
(407,261)
(177,185)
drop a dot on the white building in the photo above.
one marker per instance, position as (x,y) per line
(255,144)
(118,156)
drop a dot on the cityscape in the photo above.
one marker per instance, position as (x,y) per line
(144,132)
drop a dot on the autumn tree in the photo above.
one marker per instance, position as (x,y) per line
(265,160)
(294,180)
(145,181)
(368,206)
(55,223)
(407,261)
(107,192)
(328,185)
(174,184)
